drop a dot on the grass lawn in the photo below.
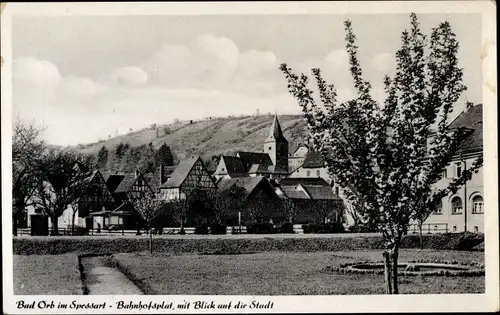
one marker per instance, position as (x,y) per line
(278,273)
(47,275)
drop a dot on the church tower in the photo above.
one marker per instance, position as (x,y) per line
(276,146)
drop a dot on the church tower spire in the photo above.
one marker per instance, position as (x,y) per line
(275,133)
(276,146)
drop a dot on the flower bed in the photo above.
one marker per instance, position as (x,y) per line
(414,268)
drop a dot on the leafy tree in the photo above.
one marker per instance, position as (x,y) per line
(164,156)
(325,209)
(62,176)
(102,157)
(381,153)
(258,208)
(226,201)
(27,148)
(149,207)
(289,208)
(121,149)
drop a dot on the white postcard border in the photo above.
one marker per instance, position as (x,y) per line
(368,303)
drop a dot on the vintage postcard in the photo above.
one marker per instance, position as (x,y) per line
(246,157)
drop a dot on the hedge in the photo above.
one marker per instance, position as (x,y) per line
(95,245)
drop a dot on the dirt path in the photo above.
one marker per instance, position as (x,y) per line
(100,278)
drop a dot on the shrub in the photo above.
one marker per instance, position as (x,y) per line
(201,229)
(261,228)
(319,228)
(468,241)
(44,245)
(360,228)
(218,229)
(285,228)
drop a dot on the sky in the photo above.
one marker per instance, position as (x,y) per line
(89,77)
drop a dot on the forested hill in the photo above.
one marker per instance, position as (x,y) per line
(206,138)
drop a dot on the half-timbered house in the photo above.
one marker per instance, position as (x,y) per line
(190,175)
(127,187)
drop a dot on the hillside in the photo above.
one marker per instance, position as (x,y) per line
(209,137)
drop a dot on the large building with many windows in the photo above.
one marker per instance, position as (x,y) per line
(464,210)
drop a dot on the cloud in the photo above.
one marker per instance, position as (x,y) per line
(36,76)
(255,62)
(77,88)
(336,59)
(207,61)
(128,76)
(213,62)
(383,62)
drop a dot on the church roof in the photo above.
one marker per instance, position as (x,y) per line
(315,159)
(234,165)
(275,133)
(251,158)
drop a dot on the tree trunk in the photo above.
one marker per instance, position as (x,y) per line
(138,225)
(55,226)
(14,223)
(420,235)
(387,272)
(183,222)
(150,241)
(73,223)
(394,257)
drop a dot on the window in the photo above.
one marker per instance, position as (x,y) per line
(439,208)
(456,205)
(308,173)
(454,228)
(476,229)
(477,204)
(317,173)
(270,148)
(458,169)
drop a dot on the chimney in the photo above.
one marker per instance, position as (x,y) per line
(468,105)
(162,173)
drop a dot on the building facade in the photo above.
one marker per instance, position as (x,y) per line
(463,210)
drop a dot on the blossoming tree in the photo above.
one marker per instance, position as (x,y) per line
(149,207)
(389,156)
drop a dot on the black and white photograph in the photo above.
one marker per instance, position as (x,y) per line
(222,150)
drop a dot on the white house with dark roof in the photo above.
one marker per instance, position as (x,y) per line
(464,210)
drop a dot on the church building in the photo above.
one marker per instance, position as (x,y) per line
(272,163)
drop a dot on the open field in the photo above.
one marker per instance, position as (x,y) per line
(47,275)
(277,273)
